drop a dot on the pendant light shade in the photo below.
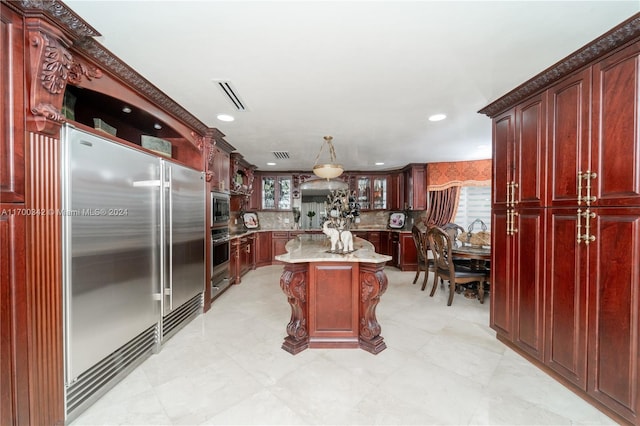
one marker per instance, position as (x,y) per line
(328,170)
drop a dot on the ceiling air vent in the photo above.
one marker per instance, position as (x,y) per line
(231,94)
(281,155)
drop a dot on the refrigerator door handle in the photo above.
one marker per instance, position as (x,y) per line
(168,290)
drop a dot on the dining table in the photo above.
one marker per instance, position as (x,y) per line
(478,257)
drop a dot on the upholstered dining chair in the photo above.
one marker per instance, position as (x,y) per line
(425,264)
(445,268)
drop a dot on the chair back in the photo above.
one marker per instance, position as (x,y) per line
(440,245)
(420,240)
(453,230)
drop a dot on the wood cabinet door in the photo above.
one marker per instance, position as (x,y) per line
(396,190)
(408,252)
(12,108)
(614,303)
(529,266)
(333,302)
(566,300)
(503,156)
(501,309)
(530,167)
(263,249)
(615,147)
(568,117)
(278,243)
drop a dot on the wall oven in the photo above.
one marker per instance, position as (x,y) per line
(220,213)
(220,252)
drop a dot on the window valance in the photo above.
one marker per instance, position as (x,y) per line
(458,173)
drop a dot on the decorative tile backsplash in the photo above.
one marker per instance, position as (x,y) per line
(369,220)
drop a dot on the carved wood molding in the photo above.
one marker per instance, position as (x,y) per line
(60,13)
(618,36)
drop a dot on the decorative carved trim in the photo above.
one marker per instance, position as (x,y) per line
(61,13)
(78,70)
(618,36)
(56,64)
(49,65)
(47,111)
(293,283)
(96,51)
(373,283)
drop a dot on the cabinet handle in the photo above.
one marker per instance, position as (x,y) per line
(588,176)
(586,237)
(579,199)
(514,230)
(579,224)
(509,212)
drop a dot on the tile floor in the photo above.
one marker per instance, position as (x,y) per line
(442,365)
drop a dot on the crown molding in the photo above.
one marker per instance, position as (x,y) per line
(608,42)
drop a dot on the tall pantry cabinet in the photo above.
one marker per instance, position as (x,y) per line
(566,221)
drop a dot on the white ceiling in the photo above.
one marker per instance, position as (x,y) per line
(369,73)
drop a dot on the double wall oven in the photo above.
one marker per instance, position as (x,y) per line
(220,245)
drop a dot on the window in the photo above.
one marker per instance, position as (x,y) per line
(475,203)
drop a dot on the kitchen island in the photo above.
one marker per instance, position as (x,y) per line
(333,297)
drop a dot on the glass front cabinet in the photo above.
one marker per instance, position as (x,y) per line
(371,192)
(276,192)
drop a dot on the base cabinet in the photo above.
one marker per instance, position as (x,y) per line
(263,249)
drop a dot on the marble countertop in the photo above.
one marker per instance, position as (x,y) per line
(315,248)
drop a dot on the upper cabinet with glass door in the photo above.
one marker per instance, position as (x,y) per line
(276,192)
(371,192)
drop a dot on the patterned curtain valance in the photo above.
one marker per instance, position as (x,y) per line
(458,173)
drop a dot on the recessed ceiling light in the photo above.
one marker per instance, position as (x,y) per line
(437,117)
(379,163)
(126,109)
(157,126)
(225,117)
(271,164)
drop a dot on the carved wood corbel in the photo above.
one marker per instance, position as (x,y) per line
(49,64)
(206,143)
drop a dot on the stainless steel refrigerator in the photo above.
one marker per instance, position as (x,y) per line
(133,258)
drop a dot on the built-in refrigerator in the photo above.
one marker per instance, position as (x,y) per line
(133,258)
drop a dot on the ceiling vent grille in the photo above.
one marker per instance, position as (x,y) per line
(281,155)
(231,94)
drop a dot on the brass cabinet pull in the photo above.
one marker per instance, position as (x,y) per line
(588,176)
(586,237)
(579,196)
(579,225)
(514,230)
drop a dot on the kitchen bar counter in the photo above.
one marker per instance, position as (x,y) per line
(333,297)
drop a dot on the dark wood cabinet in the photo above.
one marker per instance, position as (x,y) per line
(11,108)
(263,249)
(396,191)
(408,255)
(221,166)
(415,186)
(566,227)
(278,241)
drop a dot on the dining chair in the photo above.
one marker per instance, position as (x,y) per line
(422,248)
(445,268)
(454,230)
